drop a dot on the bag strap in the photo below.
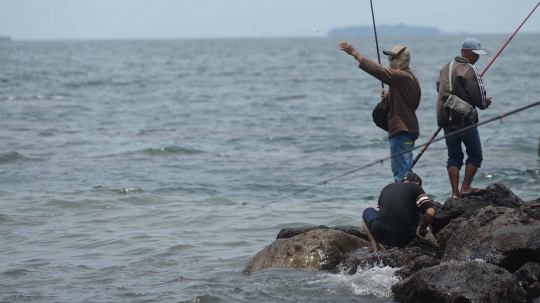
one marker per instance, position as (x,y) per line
(450,76)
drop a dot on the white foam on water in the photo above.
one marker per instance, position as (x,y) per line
(375,281)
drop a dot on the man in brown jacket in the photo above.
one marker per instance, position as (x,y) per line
(467,85)
(403,101)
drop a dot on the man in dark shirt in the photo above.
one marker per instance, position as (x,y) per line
(400,205)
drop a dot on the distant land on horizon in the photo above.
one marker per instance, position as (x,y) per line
(384,30)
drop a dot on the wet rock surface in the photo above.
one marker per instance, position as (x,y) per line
(481,249)
(365,259)
(320,249)
(460,282)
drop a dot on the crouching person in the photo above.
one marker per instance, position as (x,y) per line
(395,223)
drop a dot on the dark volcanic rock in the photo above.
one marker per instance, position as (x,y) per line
(481,241)
(513,246)
(475,282)
(483,237)
(444,235)
(532,208)
(417,264)
(497,195)
(528,276)
(321,249)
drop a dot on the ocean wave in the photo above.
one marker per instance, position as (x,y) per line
(15,157)
(219,201)
(123,191)
(151,131)
(130,190)
(175,150)
(291,97)
(16,272)
(5,218)
(87,83)
(48,132)
(206,298)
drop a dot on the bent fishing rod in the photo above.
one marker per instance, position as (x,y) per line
(455,133)
(376,40)
(485,69)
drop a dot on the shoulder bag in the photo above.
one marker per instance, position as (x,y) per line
(461,112)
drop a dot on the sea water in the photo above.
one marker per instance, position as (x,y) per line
(153,170)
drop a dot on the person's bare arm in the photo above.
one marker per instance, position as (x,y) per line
(349,49)
(428,219)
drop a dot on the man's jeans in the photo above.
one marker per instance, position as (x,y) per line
(401,164)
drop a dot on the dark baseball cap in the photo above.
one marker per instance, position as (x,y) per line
(412,177)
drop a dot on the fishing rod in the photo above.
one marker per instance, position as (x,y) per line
(376,40)
(485,69)
(499,117)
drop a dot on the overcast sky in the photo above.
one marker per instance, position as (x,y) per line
(132,19)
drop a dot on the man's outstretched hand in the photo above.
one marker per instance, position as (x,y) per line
(349,49)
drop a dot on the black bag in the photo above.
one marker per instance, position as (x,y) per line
(461,112)
(380,114)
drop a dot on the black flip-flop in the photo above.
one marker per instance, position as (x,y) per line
(474,192)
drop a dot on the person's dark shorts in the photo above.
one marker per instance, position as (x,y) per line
(369,215)
(473,147)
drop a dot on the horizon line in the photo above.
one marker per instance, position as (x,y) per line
(12,39)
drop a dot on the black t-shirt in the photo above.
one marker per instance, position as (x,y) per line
(400,205)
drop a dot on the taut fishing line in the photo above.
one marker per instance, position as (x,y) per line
(499,117)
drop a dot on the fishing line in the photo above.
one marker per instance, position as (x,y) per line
(499,117)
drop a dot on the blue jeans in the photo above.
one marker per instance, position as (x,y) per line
(402,164)
(473,146)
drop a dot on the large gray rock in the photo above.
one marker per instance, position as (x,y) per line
(348,229)
(290,232)
(497,235)
(474,282)
(318,249)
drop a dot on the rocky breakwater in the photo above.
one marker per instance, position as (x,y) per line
(482,249)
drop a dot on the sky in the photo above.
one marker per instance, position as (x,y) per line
(156,19)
